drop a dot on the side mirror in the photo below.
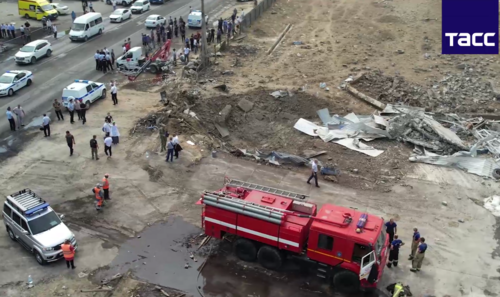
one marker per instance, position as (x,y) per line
(61,216)
(25,232)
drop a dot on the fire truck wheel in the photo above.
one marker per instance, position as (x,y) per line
(245,249)
(346,281)
(270,258)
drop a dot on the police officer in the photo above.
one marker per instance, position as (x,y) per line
(108,61)
(104,65)
(394,252)
(419,257)
(96,57)
(414,243)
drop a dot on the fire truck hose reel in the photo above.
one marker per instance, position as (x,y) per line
(240,211)
(245,206)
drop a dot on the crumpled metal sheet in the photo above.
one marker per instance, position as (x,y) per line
(478,166)
(356,145)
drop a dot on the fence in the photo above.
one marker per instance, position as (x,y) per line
(255,13)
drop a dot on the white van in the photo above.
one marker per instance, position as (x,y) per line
(194,19)
(86,26)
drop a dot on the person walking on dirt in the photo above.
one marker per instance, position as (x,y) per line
(71,110)
(186,54)
(314,173)
(115,134)
(77,109)
(170,150)
(177,146)
(391,228)
(219,35)
(10,117)
(20,114)
(68,253)
(220,24)
(114,94)
(414,243)
(105,186)
(70,139)
(57,109)
(83,111)
(94,147)
(99,198)
(419,257)
(394,251)
(108,142)
(163,138)
(191,42)
(46,125)
(106,129)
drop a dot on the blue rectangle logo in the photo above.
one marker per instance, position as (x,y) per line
(470,27)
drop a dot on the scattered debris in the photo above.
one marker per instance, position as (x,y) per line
(308,154)
(461,221)
(493,204)
(279,94)
(190,142)
(245,105)
(322,85)
(297,43)
(224,114)
(222,87)
(444,203)
(478,166)
(162,291)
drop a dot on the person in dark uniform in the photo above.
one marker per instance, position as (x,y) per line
(394,252)
(419,257)
(83,111)
(414,243)
(391,228)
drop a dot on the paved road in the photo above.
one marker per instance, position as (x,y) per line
(72,61)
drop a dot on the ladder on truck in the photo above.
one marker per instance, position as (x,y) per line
(250,186)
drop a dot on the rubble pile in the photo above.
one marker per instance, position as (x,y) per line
(464,92)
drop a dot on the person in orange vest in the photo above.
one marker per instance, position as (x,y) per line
(105,186)
(68,253)
(98,196)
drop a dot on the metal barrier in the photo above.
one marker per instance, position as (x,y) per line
(255,13)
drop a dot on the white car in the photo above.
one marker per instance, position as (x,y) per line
(120,15)
(140,6)
(33,51)
(13,80)
(61,8)
(85,90)
(153,20)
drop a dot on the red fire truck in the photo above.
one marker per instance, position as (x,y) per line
(269,225)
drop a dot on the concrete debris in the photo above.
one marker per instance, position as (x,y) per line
(245,105)
(400,51)
(275,158)
(493,204)
(464,92)
(356,145)
(479,166)
(279,94)
(223,131)
(224,114)
(227,72)
(444,203)
(222,87)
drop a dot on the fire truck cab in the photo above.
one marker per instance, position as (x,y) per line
(348,247)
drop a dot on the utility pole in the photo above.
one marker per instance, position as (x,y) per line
(204,43)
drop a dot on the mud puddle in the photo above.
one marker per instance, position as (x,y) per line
(159,254)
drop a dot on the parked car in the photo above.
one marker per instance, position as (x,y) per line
(120,15)
(33,51)
(140,6)
(13,80)
(61,8)
(153,20)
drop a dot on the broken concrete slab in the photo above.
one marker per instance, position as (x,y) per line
(224,114)
(223,131)
(245,105)
(279,94)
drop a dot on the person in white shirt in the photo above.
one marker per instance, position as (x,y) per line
(19,111)
(71,109)
(108,142)
(106,128)
(186,54)
(54,29)
(195,43)
(46,125)
(115,134)
(114,93)
(177,146)
(314,172)
(49,24)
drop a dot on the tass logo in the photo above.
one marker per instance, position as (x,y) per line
(470,27)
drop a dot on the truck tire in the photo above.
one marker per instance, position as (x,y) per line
(153,69)
(346,281)
(496,173)
(270,257)
(245,249)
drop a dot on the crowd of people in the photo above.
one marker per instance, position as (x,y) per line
(104,60)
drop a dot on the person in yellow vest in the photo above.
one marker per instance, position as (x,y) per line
(105,186)
(68,253)
(399,290)
(98,196)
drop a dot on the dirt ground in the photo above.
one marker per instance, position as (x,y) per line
(140,231)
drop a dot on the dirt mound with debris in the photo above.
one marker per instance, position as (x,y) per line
(268,126)
(466,92)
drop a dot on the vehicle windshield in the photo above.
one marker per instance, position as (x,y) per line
(27,49)
(4,79)
(46,7)
(138,3)
(78,27)
(44,223)
(379,245)
(152,17)
(117,12)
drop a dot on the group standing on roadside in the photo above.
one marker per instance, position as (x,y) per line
(417,250)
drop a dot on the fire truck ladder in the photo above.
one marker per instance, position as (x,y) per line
(241,184)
